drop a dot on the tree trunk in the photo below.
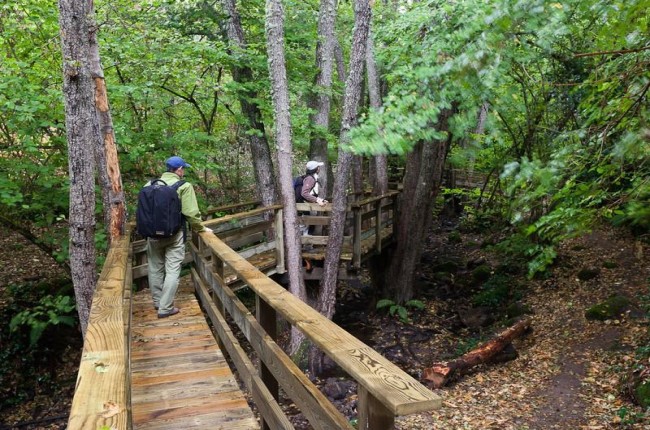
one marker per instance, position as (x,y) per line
(440,373)
(108,165)
(357,175)
(82,132)
(280,98)
(422,181)
(321,100)
(379,176)
(327,294)
(260,151)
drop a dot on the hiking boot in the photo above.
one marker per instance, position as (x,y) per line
(174,311)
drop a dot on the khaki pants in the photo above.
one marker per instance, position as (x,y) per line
(165,258)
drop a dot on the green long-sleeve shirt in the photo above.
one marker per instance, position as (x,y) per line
(190,207)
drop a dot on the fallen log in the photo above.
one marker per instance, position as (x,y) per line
(440,373)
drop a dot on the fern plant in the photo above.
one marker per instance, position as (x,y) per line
(401,311)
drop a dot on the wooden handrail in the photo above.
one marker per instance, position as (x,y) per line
(374,199)
(102,394)
(228,218)
(386,390)
(226,208)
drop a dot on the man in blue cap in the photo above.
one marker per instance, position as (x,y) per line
(165,256)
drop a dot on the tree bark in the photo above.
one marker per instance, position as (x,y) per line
(422,181)
(82,132)
(379,176)
(280,98)
(260,151)
(327,295)
(321,100)
(440,373)
(108,165)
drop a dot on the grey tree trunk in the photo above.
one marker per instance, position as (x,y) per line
(379,176)
(108,165)
(424,166)
(82,132)
(327,294)
(321,101)
(280,98)
(357,175)
(260,151)
(340,63)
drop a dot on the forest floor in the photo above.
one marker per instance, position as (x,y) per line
(569,374)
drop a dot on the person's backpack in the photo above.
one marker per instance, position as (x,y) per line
(159,210)
(297,188)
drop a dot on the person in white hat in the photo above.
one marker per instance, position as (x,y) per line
(310,185)
(310,189)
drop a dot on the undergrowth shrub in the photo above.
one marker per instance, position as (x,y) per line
(31,350)
(497,291)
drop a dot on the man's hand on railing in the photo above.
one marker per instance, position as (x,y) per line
(207,230)
(321,202)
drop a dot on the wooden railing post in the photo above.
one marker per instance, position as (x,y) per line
(373,415)
(218,270)
(356,238)
(279,240)
(267,317)
(378,225)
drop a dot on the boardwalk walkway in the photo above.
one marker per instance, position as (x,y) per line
(179,377)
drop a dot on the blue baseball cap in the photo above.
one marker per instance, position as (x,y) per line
(176,162)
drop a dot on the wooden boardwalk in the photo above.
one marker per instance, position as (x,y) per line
(179,377)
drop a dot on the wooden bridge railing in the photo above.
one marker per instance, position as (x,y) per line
(385,391)
(102,396)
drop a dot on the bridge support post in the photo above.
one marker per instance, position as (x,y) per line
(356,238)
(267,317)
(378,225)
(373,415)
(218,269)
(279,241)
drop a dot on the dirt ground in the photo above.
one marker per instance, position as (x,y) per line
(569,373)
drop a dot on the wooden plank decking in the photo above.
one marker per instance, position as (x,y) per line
(179,377)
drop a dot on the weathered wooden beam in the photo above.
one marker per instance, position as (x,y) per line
(101,398)
(395,389)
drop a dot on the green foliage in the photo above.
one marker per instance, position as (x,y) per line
(50,311)
(400,311)
(466,345)
(497,291)
(629,417)
(26,368)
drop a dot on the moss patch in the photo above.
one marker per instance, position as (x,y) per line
(642,394)
(610,308)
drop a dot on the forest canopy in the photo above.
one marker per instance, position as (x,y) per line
(565,135)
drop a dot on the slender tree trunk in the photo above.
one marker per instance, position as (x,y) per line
(321,100)
(280,98)
(82,131)
(379,176)
(327,294)
(108,165)
(480,129)
(340,63)
(357,175)
(260,151)
(422,181)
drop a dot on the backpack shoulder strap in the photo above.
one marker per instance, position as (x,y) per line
(178,184)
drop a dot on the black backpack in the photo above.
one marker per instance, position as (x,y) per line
(297,188)
(159,210)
